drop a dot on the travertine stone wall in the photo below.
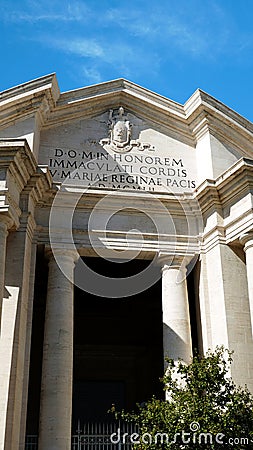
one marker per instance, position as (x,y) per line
(224,305)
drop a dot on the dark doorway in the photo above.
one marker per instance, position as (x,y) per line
(118,348)
(97,396)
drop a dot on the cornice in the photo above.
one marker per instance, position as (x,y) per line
(241,143)
(212,239)
(235,180)
(205,113)
(200,100)
(37,187)
(201,112)
(239,226)
(228,185)
(121,85)
(17,158)
(47,82)
(18,166)
(9,209)
(220,196)
(208,196)
(94,100)
(26,99)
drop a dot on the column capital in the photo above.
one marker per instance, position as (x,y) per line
(167,261)
(61,253)
(5,223)
(246,240)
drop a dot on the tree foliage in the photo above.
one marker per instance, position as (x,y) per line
(204,408)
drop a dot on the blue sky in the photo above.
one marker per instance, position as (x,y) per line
(172,47)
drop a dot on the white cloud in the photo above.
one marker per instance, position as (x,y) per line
(124,59)
(118,53)
(33,11)
(91,75)
(81,47)
(128,41)
(200,29)
(190,27)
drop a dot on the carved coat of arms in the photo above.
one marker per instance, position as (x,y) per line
(119,132)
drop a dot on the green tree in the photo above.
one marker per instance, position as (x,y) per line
(204,408)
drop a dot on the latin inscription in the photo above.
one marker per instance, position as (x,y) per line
(120,171)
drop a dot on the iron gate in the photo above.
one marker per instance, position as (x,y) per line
(96,436)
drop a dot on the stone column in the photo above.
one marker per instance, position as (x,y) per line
(14,345)
(176,319)
(3,369)
(57,368)
(247,241)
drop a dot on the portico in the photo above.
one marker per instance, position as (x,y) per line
(126,228)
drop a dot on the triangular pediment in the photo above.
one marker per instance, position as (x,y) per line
(207,136)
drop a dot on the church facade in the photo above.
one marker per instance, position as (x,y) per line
(126,235)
